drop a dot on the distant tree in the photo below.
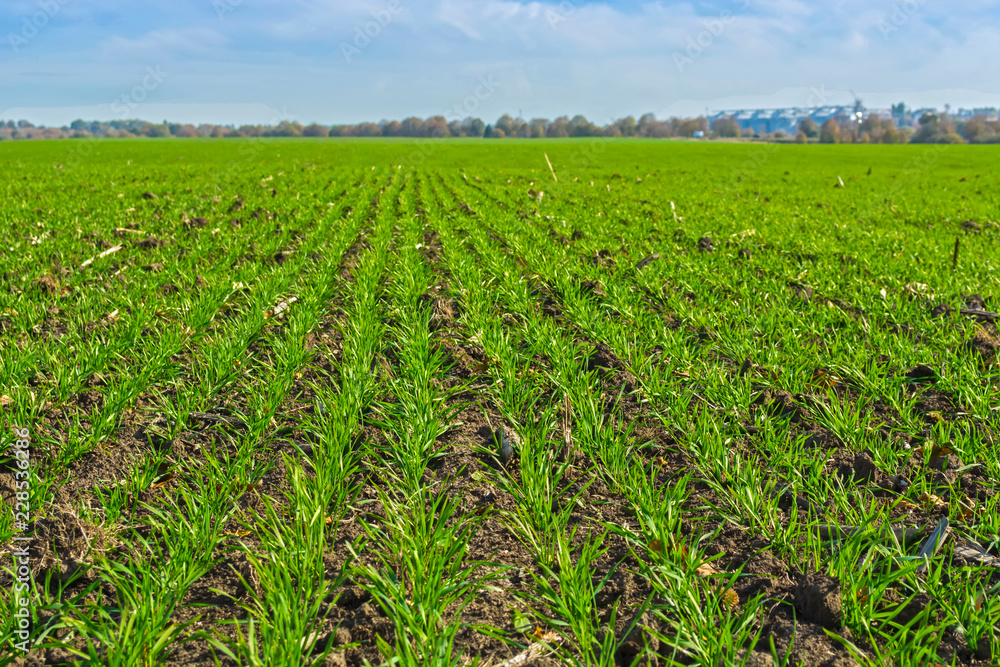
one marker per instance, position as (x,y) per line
(687,128)
(391,128)
(538,127)
(507,124)
(186,131)
(726,126)
(369,130)
(498,133)
(809,128)
(559,128)
(977,129)
(872,127)
(627,126)
(892,135)
(830,132)
(880,130)
(437,127)
(476,127)
(159,131)
(650,127)
(285,129)
(579,126)
(801,138)
(658,129)
(936,129)
(412,127)
(316,130)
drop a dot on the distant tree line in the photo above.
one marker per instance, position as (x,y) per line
(933,128)
(930,129)
(433,127)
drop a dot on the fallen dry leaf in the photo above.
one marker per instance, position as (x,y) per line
(968,509)
(706,570)
(164,481)
(931,502)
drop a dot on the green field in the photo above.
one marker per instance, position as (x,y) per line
(344,402)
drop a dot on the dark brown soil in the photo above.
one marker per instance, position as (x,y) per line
(801,609)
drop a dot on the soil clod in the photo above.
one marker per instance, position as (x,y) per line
(817,596)
(922,374)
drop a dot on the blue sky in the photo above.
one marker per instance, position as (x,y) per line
(334,61)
